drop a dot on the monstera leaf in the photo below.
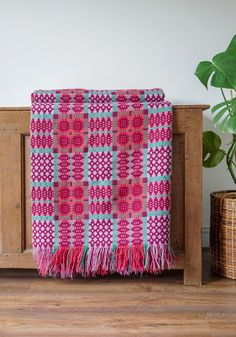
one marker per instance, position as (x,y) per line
(224,116)
(221,73)
(221,70)
(212,154)
(232,47)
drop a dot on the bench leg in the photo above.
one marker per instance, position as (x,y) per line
(193,198)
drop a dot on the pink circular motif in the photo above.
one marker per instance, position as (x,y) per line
(77,141)
(63,125)
(78,108)
(137,190)
(123,122)
(78,208)
(123,206)
(63,108)
(137,121)
(123,138)
(77,125)
(64,193)
(137,106)
(79,98)
(137,205)
(121,98)
(123,191)
(78,192)
(123,107)
(134,98)
(137,137)
(64,141)
(65,98)
(64,208)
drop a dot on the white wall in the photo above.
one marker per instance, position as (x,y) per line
(114,44)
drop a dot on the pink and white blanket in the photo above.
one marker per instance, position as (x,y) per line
(101,181)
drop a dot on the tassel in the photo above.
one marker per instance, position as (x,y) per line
(42,257)
(137,259)
(103,260)
(122,260)
(74,263)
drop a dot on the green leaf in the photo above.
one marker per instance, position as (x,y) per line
(212,154)
(221,72)
(224,116)
(232,47)
(224,75)
(214,159)
(217,106)
(211,141)
(204,71)
(219,116)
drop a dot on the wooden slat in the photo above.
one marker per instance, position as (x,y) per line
(178,121)
(27,198)
(193,197)
(16,121)
(177,194)
(22,260)
(10,187)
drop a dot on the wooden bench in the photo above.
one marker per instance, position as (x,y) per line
(15,210)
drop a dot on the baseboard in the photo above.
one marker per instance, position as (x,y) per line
(205,237)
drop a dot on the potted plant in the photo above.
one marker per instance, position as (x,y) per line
(221,73)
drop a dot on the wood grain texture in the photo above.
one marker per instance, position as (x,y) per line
(115,306)
(27,198)
(14,120)
(11,193)
(177,194)
(186,197)
(193,197)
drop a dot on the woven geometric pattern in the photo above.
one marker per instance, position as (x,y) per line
(101,181)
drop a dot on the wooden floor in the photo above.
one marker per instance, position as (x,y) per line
(116,306)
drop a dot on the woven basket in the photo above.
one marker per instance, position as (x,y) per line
(223,233)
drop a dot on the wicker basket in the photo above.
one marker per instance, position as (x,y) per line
(223,233)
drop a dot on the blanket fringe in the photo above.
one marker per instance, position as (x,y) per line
(67,262)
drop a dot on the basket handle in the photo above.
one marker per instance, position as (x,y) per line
(223,198)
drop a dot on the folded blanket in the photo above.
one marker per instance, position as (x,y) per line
(101,179)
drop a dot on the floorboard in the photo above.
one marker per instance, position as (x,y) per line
(116,306)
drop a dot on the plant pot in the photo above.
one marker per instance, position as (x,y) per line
(223,233)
